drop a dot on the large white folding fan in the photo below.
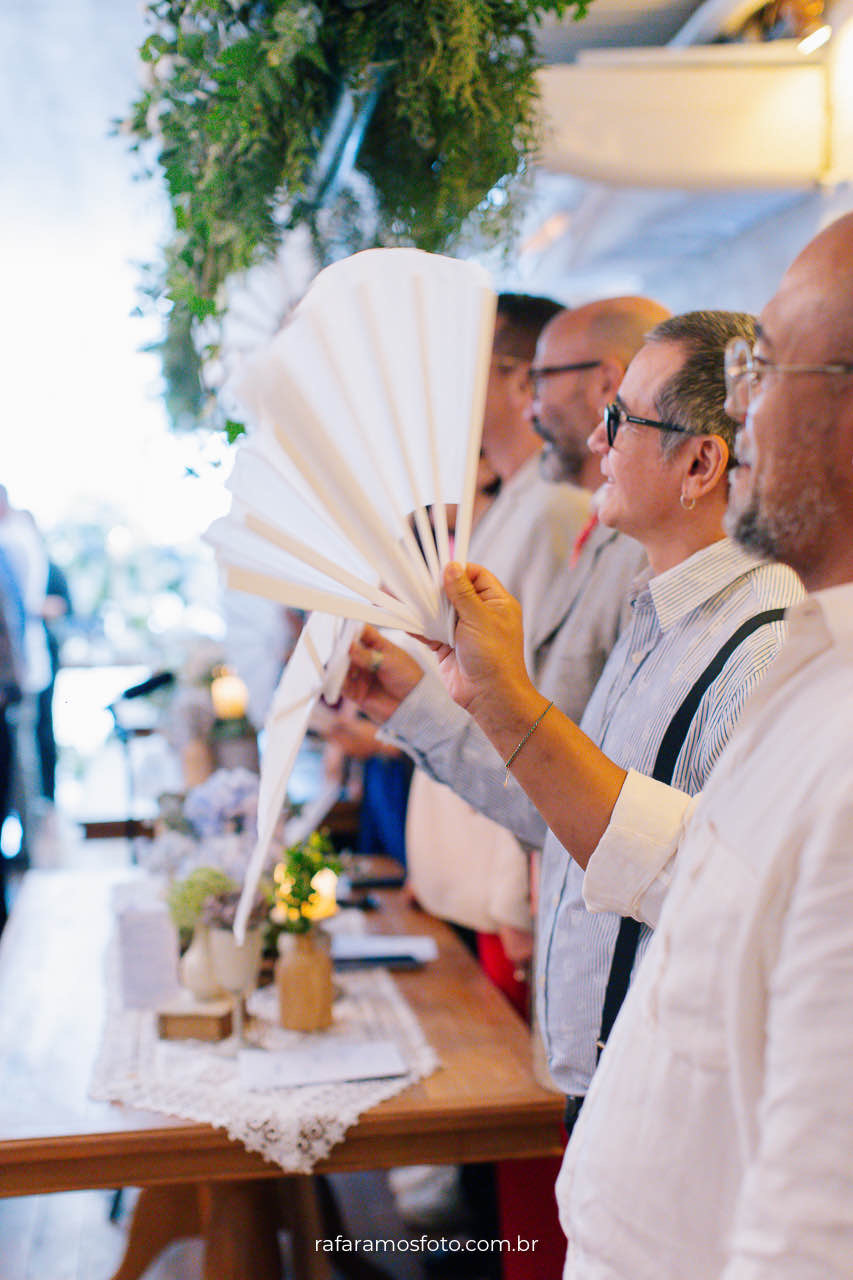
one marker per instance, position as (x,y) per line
(367,412)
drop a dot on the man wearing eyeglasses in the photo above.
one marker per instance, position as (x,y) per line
(581,358)
(574,602)
(706,622)
(717,1139)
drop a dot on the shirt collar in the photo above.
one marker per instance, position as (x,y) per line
(833,607)
(681,589)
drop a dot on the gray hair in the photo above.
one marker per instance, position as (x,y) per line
(695,396)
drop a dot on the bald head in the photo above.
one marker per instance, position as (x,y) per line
(606,335)
(614,328)
(818,288)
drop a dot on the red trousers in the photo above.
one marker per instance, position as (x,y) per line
(527,1208)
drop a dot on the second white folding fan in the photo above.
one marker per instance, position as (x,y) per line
(316,668)
(367,410)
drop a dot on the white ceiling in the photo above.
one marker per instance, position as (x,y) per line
(613,24)
(583,239)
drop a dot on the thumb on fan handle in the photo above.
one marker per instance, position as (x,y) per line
(487,662)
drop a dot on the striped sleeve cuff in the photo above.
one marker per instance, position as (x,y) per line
(425,718)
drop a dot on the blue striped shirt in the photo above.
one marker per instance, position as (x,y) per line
(679,622)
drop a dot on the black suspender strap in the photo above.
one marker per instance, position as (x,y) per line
(619,978)
(673,740)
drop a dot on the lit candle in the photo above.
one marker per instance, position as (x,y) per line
(229,696)
(323,901)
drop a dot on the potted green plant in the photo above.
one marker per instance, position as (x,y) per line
(202,906)
(305,894)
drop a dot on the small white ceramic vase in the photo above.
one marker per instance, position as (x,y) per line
(196,967)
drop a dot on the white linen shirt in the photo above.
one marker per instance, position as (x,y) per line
(717,1137)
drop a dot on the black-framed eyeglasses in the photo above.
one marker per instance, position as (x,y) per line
(548,370)
(745,370)
(615,414)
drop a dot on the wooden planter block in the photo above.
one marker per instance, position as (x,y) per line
(201,1020)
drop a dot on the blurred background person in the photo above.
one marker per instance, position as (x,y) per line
(23,546)
(56,612)
(12,622)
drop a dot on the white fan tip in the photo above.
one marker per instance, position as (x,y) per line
(368,406)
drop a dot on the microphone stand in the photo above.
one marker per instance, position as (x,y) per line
(122,734)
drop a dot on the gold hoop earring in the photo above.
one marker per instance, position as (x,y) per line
(689,504)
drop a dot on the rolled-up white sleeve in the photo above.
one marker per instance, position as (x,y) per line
(631,868)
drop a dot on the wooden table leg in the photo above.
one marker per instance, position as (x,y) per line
(241,1230)
(161,1215)
(302,1215)
(239,1222)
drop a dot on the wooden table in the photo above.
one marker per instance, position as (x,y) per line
(482,1104)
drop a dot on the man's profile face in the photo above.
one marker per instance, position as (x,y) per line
(641,490)
(781,498)
(565,406)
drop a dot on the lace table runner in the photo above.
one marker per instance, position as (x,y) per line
(293,1127)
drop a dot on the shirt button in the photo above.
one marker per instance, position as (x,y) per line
(637,656)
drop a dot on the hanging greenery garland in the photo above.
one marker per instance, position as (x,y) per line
(255,112)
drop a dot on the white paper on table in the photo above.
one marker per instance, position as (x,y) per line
(365,946)
(148,956)
(323,1060)
(368,409)
(315,667)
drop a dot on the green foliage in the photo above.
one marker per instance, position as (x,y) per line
(186,898)
(239,100)
(299,865)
